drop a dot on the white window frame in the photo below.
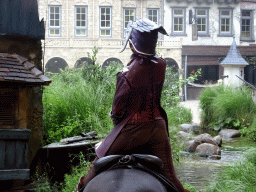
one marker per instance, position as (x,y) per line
(151,15)
(81,21)
(130,18)
(251,30)
(54,27)
(105,28)
(226,17)
(201,17)
(180,16)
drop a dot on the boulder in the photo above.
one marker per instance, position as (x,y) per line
(186,127)
(190,128)
(205,138)
(207,149)
(183,134)
(191,146)
(229,133)
(218,140)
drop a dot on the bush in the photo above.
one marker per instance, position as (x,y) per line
(250,131)
(206,98)
(227,107)
(173,84)
(79,100)
(178,115)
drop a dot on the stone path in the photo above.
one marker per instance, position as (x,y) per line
(195,109)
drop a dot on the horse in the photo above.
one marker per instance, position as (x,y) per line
(129,173)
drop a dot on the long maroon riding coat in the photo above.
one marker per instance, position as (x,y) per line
(137,97)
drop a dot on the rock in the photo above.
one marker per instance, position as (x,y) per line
(205,138)
(191,146)
(190,128)
(229,133)
(215,157)
(218,140)
(183,134)
(186,127)
(207,149)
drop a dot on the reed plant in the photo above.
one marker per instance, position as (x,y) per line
(79,100)
(237,177)
(227,107)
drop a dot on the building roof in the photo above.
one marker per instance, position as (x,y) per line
(15,68)
(214,50)
(234,56)
(20,18)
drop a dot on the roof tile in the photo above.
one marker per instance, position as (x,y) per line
(36,72)
(4,69)
(18,69)
(3,74)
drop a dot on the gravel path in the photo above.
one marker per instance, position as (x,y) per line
(195,109)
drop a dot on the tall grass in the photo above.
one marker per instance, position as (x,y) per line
(239,177)
(79,100)
(227,107)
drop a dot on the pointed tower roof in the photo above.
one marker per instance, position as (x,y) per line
(234,56)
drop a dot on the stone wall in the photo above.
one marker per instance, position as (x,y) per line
(71,48)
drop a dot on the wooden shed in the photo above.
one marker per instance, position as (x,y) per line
(21,80)
(18,79)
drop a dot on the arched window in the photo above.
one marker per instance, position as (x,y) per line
(83,61)
(55,64)
(110,60)
(172,63)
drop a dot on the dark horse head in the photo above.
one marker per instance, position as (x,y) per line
(130,173)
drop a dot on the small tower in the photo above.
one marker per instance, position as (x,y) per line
(233,65)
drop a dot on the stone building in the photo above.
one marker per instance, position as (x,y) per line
(207,28)
(200,33)
(75,27)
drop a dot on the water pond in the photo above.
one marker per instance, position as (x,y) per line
(200,172)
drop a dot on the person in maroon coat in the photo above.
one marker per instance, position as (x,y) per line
(140,123)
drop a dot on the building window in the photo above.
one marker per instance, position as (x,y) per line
(226,22)
(178,15)
(105,21)
(202,17)
(209,73)
(81,21)
(247,25)
(129,15)
(54,20)
(153,15)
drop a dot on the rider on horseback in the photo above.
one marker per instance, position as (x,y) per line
(140,123)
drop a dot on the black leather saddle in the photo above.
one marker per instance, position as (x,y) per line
(116,161)
(144,162)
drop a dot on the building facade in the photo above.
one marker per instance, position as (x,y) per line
(200,33)
(208,28)
(75,27)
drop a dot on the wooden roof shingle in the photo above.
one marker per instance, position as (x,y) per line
(15,68)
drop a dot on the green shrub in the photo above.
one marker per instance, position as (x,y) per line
(227,107)
(173,84)
(178,115)
(206,98)
(71,180)
(79,100)
(250,131)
